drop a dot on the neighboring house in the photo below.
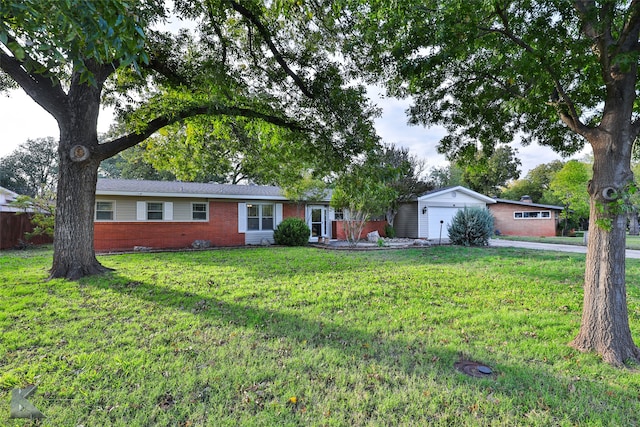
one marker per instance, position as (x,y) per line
(15,222)
(162,214)
(525,218)
(429,215)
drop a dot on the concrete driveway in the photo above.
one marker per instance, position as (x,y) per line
(631,253)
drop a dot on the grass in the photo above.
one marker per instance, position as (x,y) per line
(284,336)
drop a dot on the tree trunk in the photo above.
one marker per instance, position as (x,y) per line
(605,323)
(74,254)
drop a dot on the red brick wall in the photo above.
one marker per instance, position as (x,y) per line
(338,229)
(507,225)
(221,230)
(293,210)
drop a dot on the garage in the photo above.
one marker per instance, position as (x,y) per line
(439,220)
(420,218)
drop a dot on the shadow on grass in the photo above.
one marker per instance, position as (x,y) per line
(529,387)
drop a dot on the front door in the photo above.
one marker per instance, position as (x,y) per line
(317,221)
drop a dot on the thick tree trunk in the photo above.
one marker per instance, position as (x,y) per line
(74,254)
(605,323)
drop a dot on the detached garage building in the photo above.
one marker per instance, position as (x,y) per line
(429,216)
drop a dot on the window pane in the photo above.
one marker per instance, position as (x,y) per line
(253,223)
(517,214)
(154,211)
(104,215)
(252,211)
(267,223)
(104,211)
(546,214)
(199,211)
(267,210)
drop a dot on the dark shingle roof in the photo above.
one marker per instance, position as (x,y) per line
(133,187)
(535,205)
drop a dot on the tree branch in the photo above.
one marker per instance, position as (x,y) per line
(264,32)
(109,149)
(42,90)
(628,40)
(571,117)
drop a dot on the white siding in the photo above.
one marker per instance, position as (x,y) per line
(255,237)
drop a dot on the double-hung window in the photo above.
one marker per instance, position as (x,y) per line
(260,217)
(199,211)
(154,211)
(104,211)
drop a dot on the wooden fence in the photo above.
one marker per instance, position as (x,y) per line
(13,228)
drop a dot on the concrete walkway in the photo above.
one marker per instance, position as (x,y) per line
(631,253)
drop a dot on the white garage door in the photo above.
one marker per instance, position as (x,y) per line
(436,215)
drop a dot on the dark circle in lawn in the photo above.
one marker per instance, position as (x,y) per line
(473,369)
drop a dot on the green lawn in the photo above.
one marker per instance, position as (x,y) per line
(280,336)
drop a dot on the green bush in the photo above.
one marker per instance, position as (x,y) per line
(471,227)
(389,231)
(292,232)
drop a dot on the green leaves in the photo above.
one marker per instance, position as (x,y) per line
(62,35)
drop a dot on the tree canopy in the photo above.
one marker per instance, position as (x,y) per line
(557,73)
(271,64)
(535,184)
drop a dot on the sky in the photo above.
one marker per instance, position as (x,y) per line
(22,119)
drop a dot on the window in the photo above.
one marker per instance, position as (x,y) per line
(154,211)
(532,215)
(267,217)
(260,217)
(339,215)
(104,211)
(199,211)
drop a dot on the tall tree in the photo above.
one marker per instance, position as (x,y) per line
(269,62)
(535,184)
(446,176)
(485,172)
(559,73)
(32,168)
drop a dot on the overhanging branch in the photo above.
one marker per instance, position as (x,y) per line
(266,35)
(109,149)
(41,89)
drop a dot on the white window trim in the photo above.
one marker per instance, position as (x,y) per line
(146,210)
(142,211)
(206,211)
(539,217)
(113,211)
(260,217)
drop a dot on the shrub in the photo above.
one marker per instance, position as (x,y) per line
(471,227)
(292,232)
(389,231)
